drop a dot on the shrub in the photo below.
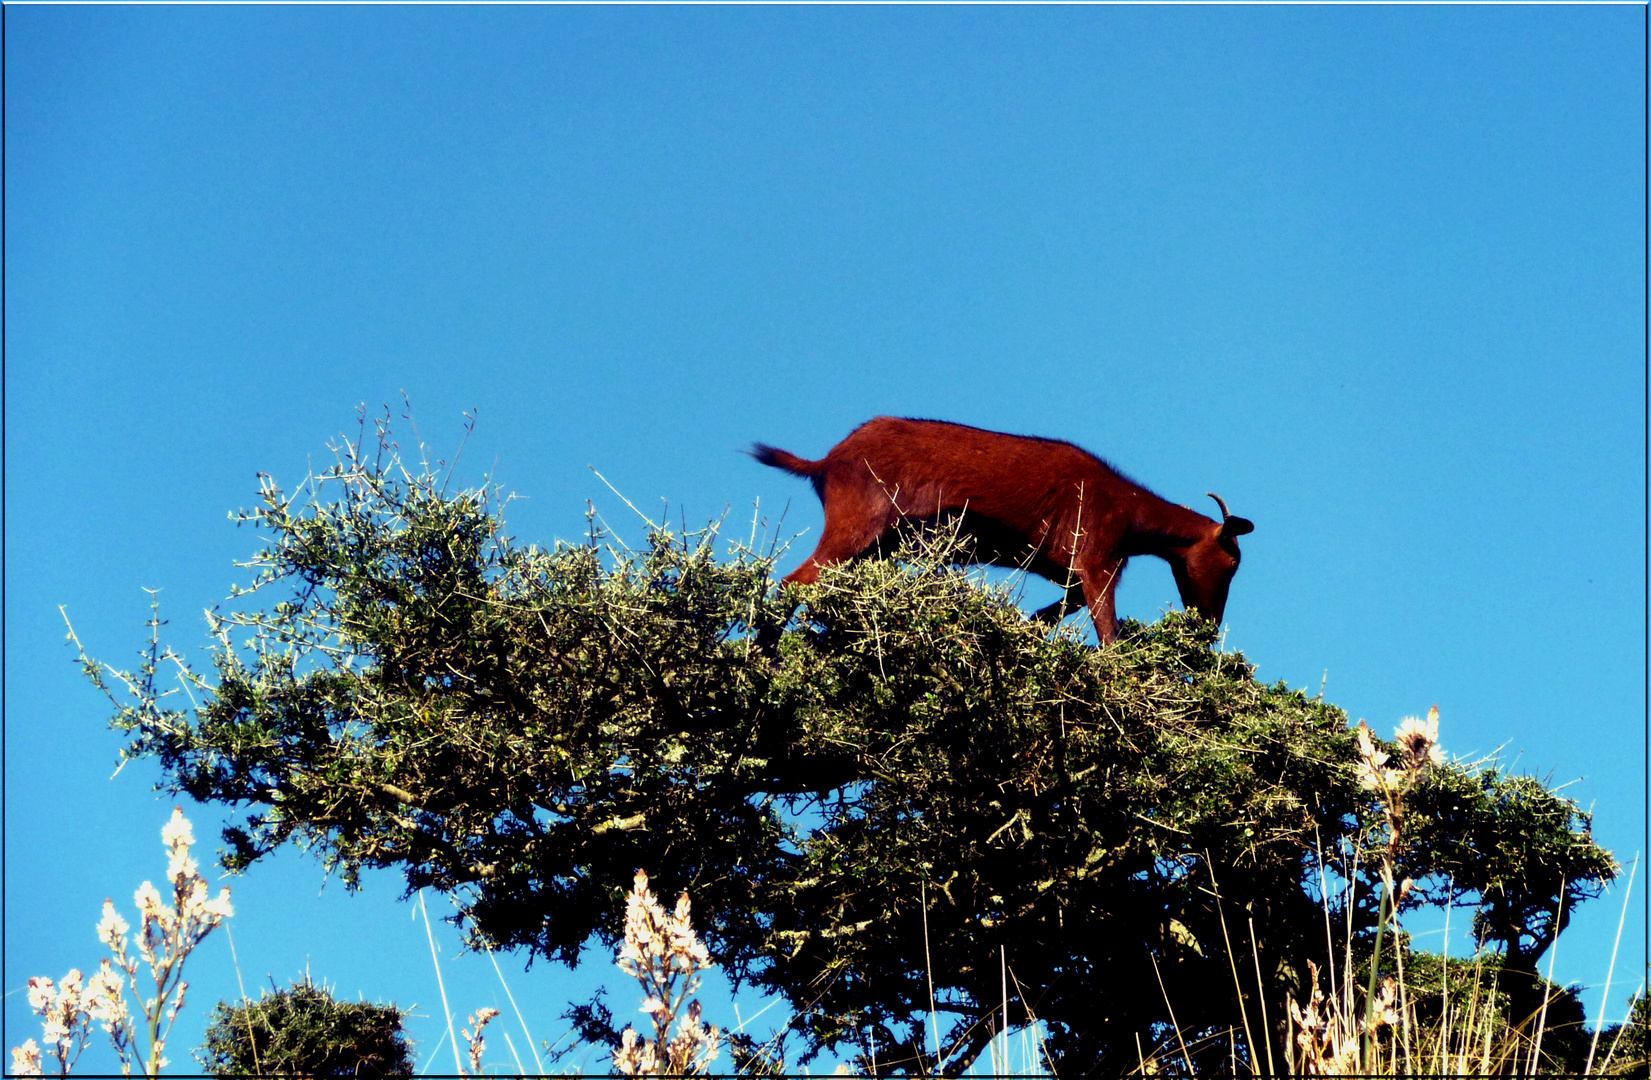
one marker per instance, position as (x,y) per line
(304,1031)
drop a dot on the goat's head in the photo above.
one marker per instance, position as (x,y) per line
(1204,569)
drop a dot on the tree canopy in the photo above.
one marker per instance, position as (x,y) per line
(913,783)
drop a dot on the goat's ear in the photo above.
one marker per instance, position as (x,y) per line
(1237,526)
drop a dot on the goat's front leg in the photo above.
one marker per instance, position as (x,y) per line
(1100,588)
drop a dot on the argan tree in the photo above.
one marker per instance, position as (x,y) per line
(915,787)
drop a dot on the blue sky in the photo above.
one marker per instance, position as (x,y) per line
(1375,274)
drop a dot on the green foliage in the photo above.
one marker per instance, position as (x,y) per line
(1511,846)
(1628,1045)
(1474,1007)
(913,771)
(304,1031)
(1621,1049)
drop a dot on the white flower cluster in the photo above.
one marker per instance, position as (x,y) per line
(1418,749)
(65,1026)
(1419,741)
(1326,1041)
(1327,1037)
(25,1059)
(478,1020)
(69,1008)
(663,953)
(170,932)
(166,936)
(1326,1033)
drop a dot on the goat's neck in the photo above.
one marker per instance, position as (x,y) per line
(1162,528)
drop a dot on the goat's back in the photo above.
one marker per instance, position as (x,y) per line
(928,466)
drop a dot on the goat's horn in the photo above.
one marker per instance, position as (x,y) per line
(1222,503)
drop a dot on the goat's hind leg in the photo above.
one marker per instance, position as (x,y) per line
(845,536)
(1070,601)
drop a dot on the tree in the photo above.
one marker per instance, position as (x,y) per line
(304,1031)
(916,783)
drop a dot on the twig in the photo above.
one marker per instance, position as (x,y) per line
(1605,995)
(651,523)
(457,1061)
(1174,1023)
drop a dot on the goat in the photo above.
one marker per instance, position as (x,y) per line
(1039,504)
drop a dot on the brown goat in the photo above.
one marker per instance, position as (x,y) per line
(1040,504)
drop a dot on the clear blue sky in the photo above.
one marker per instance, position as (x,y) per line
(1375,274)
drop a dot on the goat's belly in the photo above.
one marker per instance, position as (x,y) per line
(993,542)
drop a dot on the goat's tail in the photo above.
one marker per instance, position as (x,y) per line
(785,459)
